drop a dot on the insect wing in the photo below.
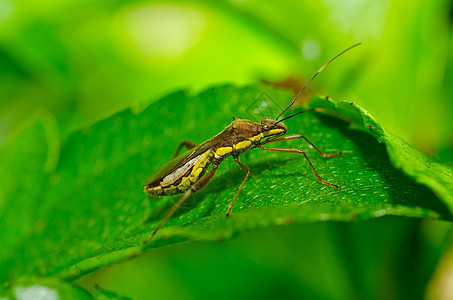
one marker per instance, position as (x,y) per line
(185,157)
(168,167)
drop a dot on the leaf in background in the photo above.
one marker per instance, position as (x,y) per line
(42,288)
(26,288)
(84,67)
(383,75)
(103,294)
(93,207)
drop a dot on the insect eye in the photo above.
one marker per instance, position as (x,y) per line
(265,127)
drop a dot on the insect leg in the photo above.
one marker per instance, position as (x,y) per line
(298,136)
(306,157)
(189,145)
(197,186)
(247,169)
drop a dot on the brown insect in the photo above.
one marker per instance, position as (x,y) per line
(186,173)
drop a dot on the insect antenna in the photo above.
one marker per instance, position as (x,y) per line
(305,86)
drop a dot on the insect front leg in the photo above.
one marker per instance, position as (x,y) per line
(306,157)
(247,169)
(197,186)
(189,145)
(298,136)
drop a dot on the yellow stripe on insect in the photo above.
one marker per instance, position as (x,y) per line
(223,150)
(256,137)
(171,190)
(273,132)
(184,184)
(195,174)
(200,166)
(243,144)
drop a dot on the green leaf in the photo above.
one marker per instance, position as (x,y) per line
(424,170)
(25,162)
(42,288)
(283,189)
(91,199)
(103,294)
(26,288)
(93,210)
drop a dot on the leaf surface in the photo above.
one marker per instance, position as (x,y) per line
(92,207)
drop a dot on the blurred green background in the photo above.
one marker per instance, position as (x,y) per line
(85,60)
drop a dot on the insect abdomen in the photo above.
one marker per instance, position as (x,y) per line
(222,152)
(181,179)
